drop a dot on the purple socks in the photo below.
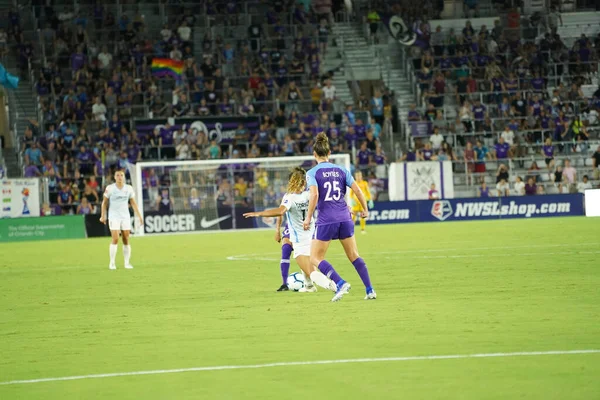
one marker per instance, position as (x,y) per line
(286,253)
(328,271)
(361,269)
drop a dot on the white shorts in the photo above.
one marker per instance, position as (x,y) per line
(119,224)
(302,248)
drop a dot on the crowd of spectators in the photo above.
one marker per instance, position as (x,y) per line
(97,79)
(487,94)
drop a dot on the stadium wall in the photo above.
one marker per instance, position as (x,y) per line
(79,226)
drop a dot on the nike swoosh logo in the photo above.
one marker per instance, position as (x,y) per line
(207,224)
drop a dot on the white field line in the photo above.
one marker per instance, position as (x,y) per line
(301,363)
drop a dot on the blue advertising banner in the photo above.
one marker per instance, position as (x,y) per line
(477,208)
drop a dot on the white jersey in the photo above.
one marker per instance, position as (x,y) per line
(118,207)
(296,205)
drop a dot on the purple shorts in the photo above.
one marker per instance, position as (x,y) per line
(335,231)
(286,233)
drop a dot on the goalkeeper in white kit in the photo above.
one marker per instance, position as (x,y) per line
(116,200)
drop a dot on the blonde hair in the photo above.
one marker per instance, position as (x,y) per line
(297,180)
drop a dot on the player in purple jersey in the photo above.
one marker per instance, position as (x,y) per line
(327,183)
(286,252)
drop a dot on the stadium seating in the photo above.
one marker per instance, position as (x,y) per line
(91,74)
(247,54)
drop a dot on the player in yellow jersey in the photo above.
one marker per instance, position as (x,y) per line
(355,204)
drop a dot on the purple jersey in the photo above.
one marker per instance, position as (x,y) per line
(548,151)
(167,137)
(363,157)
(537,83)
(479,112)
(132,154)
(331,181)
(361,130)
(85,157)
(445,63)
(77,61)
(545,122)
(537,107)
(502,150)
(414,114)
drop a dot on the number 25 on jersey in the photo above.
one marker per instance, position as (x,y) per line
(332,187)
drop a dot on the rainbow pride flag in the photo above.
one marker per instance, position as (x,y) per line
(162,67)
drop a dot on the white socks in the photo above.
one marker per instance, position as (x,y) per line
(307,281)
(321,280)
(113,253)
(127,253)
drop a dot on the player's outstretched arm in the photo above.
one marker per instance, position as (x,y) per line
(136,210)
(278,223)
(312,205)
(272,212)
(361,199)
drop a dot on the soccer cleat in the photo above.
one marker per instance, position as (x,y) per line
(283,288)
(308,289)
(344,289)
(332,286)
(363,232)
(112,266)
(371,295)
(128,266)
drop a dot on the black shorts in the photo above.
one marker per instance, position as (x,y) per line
(549,160)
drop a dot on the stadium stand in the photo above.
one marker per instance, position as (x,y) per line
(89,98)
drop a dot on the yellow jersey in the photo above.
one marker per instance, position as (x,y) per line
(364,187)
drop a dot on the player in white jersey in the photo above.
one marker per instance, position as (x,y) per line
(116,200)
(294,205)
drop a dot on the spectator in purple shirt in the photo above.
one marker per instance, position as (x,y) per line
(502,149)
(85,159)
(78,59)
(545,120)
(134,154)
(548,153)
(363,158)
(360,129)
(479,114)
(538,84)
(351,137)
(31,171)
(530,187)
(410,155)
(426,153)
(98,168)
(413,114)
(168,150)
(536,105)
(316,128)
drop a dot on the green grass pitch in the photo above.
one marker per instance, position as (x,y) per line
(444,289)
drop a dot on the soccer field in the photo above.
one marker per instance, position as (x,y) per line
(491,288)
